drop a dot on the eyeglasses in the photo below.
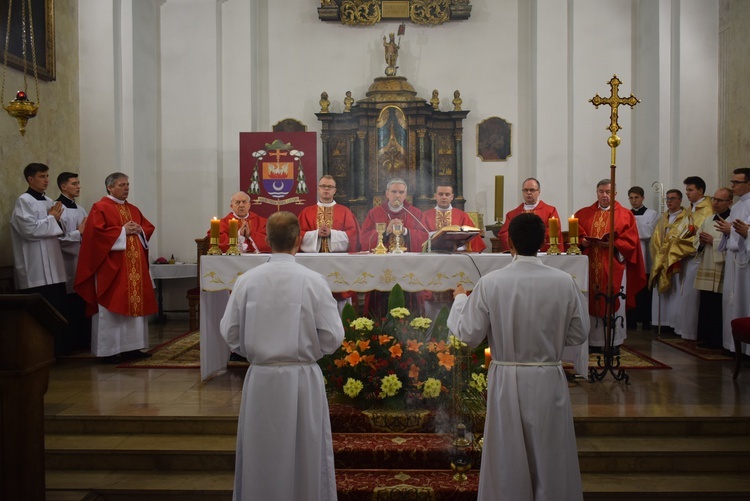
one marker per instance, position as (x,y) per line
(714,199)
(735,183)
(529,190)
(326,187)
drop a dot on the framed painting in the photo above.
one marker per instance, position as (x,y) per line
(43,20)
(493,140)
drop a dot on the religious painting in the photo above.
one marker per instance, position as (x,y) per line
(493,140)
(42,17)
(275,169)
(392,137)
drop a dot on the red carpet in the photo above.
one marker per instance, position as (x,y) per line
(691,348)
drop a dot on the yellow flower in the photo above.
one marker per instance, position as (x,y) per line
(413,345)
(431,388)
(362,324)
(446,360)
(353,387)
(389,386)
(399,313)
(455,342)
(479,382)
(421,323)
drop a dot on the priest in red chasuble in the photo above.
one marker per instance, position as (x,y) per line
(593,222)
(531,190)
(395,209)
(445,215)
(251,238)
(328,226)
(113,274)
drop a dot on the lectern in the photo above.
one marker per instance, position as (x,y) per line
(28,324)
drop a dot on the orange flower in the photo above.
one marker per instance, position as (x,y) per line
(349,346)
(384,338)
(363,345)
(340,362)
(367,359)
(396,351)
(353,358)
(413,345)
(414,371)
(446,360)
(441,346)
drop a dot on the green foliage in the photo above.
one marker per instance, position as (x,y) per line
(396,298)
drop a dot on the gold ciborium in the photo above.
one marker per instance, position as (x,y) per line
(553,250)
(398,230)
(574,250)
(380,249)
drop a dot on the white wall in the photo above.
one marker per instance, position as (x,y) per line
(165,97)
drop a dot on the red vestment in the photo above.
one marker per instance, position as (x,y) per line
(457,217)
(594,222)
(542,210)
(337,217)
(382,214)
(119,280)
(257,232)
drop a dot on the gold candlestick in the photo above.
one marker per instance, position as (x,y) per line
(573,250)
(233,249)
(214,250)
(553,250)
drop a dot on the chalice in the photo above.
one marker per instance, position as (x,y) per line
(398,230)
(380,249)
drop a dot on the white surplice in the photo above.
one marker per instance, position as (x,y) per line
(736,297)
(70,242)
(36,250)
(646,223)
(528,312)
(282,317)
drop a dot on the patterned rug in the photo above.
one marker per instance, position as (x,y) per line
(183,352)
(691,348)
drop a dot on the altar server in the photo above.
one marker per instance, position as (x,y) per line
(529,312)
(282,317)
(113,274)
(735,242)
(34,231)
(646,220)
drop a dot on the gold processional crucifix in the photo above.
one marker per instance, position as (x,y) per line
(610,322)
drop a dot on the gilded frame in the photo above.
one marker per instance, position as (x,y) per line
(43,19)
(493,140)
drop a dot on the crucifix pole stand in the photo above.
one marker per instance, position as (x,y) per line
(609,363)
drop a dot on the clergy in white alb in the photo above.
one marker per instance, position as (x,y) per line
(529,312)
(736,297)
(282,317)
(34,231)
(646,220)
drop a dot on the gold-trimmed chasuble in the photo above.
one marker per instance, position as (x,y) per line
(133,259)
(325,218)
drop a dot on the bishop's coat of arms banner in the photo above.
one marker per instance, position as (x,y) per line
(275,169)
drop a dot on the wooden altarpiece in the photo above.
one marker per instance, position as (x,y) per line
(393,133)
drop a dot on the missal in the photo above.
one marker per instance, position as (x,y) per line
(450,238)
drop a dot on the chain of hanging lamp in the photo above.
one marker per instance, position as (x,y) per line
(21,108)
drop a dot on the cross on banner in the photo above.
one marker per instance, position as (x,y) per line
(614,101)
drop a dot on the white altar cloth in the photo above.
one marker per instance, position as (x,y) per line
(361,273)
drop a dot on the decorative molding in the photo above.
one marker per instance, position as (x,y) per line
(369,12)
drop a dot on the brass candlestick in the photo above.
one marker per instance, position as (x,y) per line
(573,250)
(380,249)
(553,250)
(214,250)
(233,250)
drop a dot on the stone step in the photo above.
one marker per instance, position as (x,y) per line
(357,450)
(355,485)
(353,421)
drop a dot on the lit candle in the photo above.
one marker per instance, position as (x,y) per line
(572,227)
(487,357)
(233,228)
(215,225)
(554,228)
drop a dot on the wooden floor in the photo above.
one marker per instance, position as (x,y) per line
(693,387)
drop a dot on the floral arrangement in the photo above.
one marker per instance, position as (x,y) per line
(404,360)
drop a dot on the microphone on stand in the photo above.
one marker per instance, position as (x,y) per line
(429,241)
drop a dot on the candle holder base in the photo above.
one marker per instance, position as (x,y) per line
(380,249)
(574,250)
(233,250)
(553,250)
(214,250)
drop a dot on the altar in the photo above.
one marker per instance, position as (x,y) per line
(414,272)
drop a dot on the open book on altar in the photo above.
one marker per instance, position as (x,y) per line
(450,238)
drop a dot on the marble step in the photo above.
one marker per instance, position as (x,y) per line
(201,425)
(355,450)
(355,485)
